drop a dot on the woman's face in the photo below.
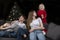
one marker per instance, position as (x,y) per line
(34,14)
(21,18)
(41,7)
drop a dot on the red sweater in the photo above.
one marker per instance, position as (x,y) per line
(42,12)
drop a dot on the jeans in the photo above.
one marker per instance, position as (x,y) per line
(4,33)
(20,33)
(37,34)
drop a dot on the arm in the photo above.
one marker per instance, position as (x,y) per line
(11,26)
(4,25)
(25,27)
(44,14)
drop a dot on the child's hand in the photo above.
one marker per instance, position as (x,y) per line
(25,35)
(42,16)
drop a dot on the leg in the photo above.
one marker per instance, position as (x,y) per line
(20,32)
(19,37)
(46,26)
(26,31)
(40,36)
(2,33)
(13,34)
(32,36)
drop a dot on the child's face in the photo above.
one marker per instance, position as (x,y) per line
(21,18)
(41,7)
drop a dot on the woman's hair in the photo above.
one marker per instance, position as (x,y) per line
(29,19)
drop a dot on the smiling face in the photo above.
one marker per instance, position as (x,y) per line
(41,7)
(21,18)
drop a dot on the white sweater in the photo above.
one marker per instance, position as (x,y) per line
(35,23)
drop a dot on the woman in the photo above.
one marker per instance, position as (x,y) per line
(35,25)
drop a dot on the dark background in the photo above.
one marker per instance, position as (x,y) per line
(52,8)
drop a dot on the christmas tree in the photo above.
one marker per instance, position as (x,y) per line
(15,12)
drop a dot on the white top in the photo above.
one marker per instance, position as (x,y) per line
(15,25)
(35,23)
(22,25)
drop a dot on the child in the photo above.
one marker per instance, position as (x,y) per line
(43,15)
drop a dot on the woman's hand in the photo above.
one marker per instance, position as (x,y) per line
(2,28)
(31,30)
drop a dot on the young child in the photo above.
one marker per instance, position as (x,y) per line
(43,15)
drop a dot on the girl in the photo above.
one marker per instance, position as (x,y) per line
(36,26)
(42,13)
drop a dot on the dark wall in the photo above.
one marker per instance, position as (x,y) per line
(52,8)
(5,6)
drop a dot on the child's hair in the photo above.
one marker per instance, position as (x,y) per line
(21,15)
